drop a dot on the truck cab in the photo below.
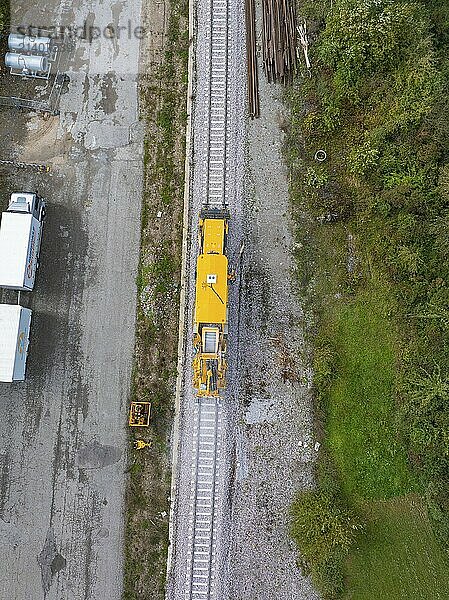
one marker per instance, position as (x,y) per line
(20,241)
(29,203)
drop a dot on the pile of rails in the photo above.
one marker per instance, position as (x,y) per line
(253,82)
(279,40)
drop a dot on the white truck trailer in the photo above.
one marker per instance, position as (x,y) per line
(15,324)
(20,241)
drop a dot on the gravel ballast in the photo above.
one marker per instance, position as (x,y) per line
(275,448)
(267,450)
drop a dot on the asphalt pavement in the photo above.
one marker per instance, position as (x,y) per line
(63,431)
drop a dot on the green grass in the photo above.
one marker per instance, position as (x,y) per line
(365,463)
(398,557)
(360,407)
(372,235)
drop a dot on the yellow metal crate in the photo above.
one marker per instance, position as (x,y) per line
(139,414)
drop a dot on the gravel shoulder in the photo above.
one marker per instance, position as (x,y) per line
(274,447)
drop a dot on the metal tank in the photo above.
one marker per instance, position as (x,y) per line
(26,43)
(26,63)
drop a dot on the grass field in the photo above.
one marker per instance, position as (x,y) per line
(360,434)
(398,557)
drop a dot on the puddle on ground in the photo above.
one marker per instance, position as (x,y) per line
(96,456)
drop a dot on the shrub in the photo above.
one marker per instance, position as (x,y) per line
(322,524)
(362,158)
(324,528)
(363,37)
(426,412)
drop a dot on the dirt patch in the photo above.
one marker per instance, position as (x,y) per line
(43,145)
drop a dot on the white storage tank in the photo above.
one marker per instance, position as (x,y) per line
(15,323)
(27,43)
(26,63)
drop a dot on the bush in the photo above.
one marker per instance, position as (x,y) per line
(368,36)
(324,528)
(322,524)
(427,416)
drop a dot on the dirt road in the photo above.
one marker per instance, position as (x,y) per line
(275,449)
(62,433)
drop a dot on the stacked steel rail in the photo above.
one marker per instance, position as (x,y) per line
(251,59)
(279,40)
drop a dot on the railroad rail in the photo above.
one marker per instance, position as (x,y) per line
(251,59)
(204,500)
(215,175)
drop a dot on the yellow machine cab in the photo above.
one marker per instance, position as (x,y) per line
(211,304)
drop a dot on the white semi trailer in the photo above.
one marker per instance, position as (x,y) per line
(15,324)
(20,241)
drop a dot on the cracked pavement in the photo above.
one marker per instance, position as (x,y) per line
(63,431)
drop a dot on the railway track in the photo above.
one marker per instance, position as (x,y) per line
(204,501)
(215,175)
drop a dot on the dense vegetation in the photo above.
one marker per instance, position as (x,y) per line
(379,205)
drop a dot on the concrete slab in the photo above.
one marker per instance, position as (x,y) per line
(63,431)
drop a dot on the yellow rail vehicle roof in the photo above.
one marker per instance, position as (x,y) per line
(211,288)
(213,235)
